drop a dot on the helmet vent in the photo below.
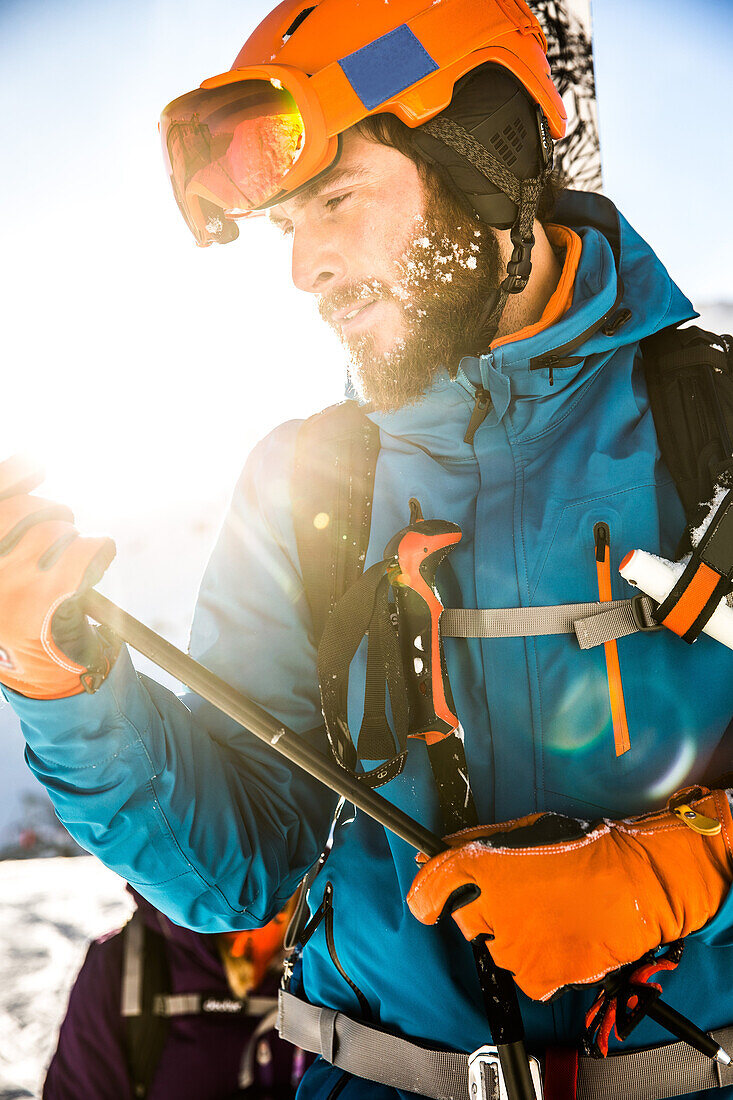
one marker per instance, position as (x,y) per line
(508,144)
(297,21)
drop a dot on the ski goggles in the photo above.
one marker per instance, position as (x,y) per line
(237,145)
(249,137)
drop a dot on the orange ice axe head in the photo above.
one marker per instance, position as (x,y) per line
(414,554)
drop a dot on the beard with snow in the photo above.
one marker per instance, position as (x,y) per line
(442,284)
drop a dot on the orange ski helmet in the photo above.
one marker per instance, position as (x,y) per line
(252,136)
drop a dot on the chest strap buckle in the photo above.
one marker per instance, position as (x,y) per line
(642,612)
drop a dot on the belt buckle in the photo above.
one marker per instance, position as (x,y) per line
(486,1080)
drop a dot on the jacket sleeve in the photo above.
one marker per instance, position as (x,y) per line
(207,822)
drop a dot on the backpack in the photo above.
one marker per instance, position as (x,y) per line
(148,1005)
(689,374)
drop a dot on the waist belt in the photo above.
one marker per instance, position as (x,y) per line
(364,1050)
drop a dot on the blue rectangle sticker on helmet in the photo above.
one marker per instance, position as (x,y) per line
(387,66)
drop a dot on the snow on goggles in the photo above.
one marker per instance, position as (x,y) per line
(237,145)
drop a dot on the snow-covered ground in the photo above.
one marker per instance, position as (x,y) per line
(49,910)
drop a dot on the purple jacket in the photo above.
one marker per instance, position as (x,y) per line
(203,1054)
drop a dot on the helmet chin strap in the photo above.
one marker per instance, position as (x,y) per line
(525,194)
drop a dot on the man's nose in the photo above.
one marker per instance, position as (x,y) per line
(318,264)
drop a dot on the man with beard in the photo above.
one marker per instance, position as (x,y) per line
(407,150)
(433,266)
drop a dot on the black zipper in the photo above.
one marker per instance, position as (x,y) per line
(338,1088)
(481,406)
(324,913)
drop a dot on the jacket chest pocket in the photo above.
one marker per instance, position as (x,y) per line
(617,724)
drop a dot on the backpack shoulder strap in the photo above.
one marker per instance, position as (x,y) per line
(145,976)
(331,491)
(689,374)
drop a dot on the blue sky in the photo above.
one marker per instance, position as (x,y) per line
(125,339)
(83,71)
(665,90)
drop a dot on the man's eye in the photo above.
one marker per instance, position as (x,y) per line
(332,203)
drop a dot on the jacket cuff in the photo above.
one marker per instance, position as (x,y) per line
(86,731)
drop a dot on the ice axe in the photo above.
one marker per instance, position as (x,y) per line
(497,986)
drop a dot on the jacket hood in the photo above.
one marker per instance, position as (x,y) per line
(621,294)
(643,284)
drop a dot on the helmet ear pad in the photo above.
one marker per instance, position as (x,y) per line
(493,107)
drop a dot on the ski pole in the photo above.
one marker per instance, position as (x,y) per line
(498,989)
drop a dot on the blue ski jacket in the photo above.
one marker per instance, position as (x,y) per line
(216,830)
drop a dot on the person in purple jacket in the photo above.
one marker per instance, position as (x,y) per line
(161,1012)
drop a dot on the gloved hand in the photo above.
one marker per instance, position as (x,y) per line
(567,901)
(48,649)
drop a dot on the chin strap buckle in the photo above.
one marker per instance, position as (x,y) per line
(519,266)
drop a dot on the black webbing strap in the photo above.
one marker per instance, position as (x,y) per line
(364,609)
(331,492)
(145,977)
(333,479)
(706,580)
(383,670)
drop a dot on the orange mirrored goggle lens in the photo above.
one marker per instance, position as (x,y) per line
(228,151)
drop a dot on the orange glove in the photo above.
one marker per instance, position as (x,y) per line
(567,901)
(48,650)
